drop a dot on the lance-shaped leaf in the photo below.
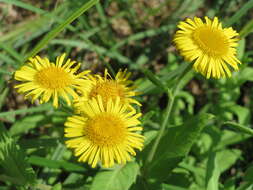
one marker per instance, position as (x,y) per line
(175,145)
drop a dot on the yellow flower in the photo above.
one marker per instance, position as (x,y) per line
(109,88)
(42,79)
(106,133)
(210,46)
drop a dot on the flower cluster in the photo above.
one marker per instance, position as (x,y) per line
(105,127)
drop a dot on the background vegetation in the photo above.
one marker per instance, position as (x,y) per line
(199,151)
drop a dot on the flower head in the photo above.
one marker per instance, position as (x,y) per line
(109,88)
(209,45)
(44,80)
(106,133)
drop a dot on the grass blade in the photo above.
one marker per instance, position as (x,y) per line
(247,29)
(68,166)
(242,11)
(53,33)
(12,52)
(44,107)
(144,34)
(92,47)
(24,6)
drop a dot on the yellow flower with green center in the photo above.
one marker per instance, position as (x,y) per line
(44,80)
(106,133)
(211,47)
(109,88)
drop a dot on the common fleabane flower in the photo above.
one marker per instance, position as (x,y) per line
(209,45)
(109,88)
(105,133)
(41,79)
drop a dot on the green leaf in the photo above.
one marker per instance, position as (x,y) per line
(57,186)
(197,172)
(245,186)
(25,124)
(231,137)
(249,174)
(176,144)
(13,161)
(212,172)
(37,143)
(217,163)
(247,179)
(170,187)
(242,113)
(229,184)
(154,79)
(121,178)
(3,96)
(179,177)
(53,33)
(45,162)
(169,77)
(245,74)
(242,128)
(241,48)
(149,136)
(188,99)
(73,179)
(227,157)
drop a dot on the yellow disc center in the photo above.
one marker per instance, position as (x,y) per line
(107,89)
(106,130)
(53,78)
(211,40)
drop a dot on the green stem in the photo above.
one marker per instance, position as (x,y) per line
(167,114)
(162,129)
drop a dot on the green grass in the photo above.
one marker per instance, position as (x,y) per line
(198,133)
